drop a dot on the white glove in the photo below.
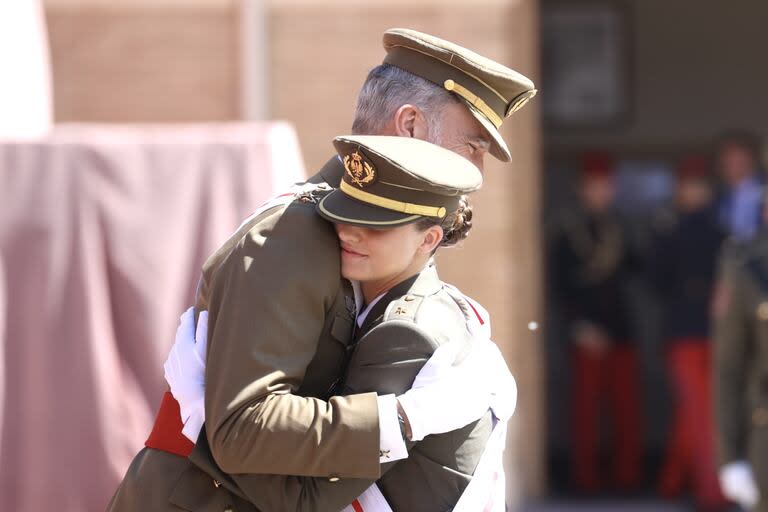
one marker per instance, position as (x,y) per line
(185,371)
(445,397)
(738,484)
(502,385)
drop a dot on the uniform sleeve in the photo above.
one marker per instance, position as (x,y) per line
(732,341)
(386,360)
(268,303)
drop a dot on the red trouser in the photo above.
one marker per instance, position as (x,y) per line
(610,376)
(691,450)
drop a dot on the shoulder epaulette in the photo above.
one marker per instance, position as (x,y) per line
(404,308)
(312,192)
(462,302)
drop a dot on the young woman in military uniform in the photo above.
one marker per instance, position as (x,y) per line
(399,201)
(408,311)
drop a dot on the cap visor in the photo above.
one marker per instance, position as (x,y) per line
(499,148)
(339,207)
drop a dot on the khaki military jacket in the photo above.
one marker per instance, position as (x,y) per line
(279,327)
(399,334)
(741,358)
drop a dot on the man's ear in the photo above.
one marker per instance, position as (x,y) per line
(409,121)
(432,238)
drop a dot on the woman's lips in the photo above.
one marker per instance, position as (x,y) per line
(346,251)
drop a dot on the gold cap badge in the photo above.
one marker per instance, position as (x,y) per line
(360,172)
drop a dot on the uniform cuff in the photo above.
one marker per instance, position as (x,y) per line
(391,443)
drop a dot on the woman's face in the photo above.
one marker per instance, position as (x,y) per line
(385,256)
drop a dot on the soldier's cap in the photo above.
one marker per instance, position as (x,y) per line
(491,91)
(392,181)
(693,166)
(597,165)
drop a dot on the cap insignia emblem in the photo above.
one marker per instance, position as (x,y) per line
(360,172)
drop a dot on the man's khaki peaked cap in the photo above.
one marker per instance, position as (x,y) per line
(391,181)
(492,91)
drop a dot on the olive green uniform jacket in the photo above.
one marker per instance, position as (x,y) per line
(398,335)
(741,359)
(280,322)
(249,432)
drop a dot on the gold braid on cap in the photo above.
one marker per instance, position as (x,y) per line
(392,204)
(475,101)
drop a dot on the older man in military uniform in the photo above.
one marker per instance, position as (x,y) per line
(741,371)
(279,333)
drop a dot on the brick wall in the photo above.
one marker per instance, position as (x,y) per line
(144,61)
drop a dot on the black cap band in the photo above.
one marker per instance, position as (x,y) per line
(438,72)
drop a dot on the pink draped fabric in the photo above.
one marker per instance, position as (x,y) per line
(103,230)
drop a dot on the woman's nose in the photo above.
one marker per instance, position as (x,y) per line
(347,233)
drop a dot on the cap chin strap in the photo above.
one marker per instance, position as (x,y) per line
(392,204)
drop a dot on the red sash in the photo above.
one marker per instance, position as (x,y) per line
(166,433)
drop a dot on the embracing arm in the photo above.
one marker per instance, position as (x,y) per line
(267,309)
(386,361)
(369,370)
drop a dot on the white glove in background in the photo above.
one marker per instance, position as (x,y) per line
(738,484)
(445,397)
(185,371)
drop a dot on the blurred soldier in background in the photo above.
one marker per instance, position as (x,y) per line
(741,201)
(590,260)
(683,263)
(741,371)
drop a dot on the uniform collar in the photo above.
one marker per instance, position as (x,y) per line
(424,283)
(365,311)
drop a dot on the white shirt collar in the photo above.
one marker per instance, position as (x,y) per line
(357,290)
(359,299)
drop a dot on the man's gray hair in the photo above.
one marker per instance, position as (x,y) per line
(388,88)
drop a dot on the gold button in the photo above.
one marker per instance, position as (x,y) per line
(762,311)
(216,483)
(333,478)
(760,417)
